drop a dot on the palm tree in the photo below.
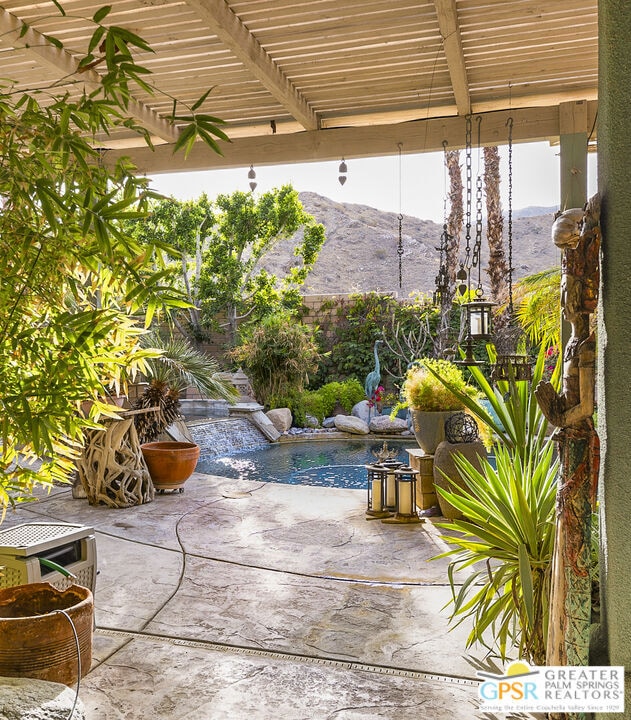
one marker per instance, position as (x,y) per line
(538,303)
(179,366)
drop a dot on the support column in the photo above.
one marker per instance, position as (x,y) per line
(614,336)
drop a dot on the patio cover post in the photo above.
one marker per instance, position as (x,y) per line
(614,336)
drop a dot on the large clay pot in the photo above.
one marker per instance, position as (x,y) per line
(36,640)
(446,473)
(170,463)
(429,428)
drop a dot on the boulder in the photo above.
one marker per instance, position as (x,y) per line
(353,425)
(311,421)
(382,425)
(328,423)
(281,419)
(29,699)
(363,411)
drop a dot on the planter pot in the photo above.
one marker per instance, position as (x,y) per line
(429,428)
(170,464)
(446,473)
(36,640)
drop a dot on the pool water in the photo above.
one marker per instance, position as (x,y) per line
(332,463)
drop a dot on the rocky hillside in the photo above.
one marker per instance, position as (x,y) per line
(360,253)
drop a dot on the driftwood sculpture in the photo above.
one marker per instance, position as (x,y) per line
(111,468)
(577,233)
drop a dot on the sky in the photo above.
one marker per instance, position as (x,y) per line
(415,185)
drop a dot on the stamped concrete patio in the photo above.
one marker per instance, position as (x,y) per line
(240,599)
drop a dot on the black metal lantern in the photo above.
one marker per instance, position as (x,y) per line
(479,318)
(405,496)
(389,486)
(512,367)
(377,476)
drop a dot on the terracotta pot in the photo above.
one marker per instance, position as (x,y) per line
(429,428)
(36,640)
(170,463)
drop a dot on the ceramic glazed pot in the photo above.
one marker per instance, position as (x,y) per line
(36,641)
(170,463)
(429,428)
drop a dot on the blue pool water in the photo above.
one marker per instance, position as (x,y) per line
(333,463)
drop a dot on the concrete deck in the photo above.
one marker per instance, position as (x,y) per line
(246,600)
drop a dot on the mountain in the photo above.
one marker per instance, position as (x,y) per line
(360,252)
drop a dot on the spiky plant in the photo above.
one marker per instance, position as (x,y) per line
(179,366)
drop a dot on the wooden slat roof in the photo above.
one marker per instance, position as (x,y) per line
(336,77)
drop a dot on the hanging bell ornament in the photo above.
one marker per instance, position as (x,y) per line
(252,173)
(342,179)
(461,276)
(343,169)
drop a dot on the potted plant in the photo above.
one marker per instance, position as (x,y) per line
(430,401)
(178,366)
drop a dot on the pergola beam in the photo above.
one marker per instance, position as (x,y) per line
(65,65)
(452,44)
(529,124)
(233,33)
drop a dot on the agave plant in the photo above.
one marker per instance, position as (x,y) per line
(178,366)
(508,536)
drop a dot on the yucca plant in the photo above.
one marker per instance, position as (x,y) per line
(507,535)
(178,366)
(509,520)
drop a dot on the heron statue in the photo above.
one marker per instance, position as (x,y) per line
(371,383)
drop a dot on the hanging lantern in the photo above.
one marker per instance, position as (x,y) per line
(512,367)
(405,500)
(479,318)
(469,359)
(377,475)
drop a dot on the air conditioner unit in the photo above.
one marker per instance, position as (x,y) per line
(31,553)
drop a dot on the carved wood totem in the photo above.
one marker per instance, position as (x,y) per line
(577,233)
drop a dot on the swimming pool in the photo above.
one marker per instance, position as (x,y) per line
(331,463)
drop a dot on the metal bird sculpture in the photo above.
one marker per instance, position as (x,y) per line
(374,377)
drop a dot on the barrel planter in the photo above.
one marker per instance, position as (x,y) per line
(170,463)
(37,640)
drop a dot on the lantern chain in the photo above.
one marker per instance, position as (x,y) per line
(509,123)
(468,192)
(400,219)
(477,248)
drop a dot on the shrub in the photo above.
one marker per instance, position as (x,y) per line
(322,402)
(279,354)
(424,391)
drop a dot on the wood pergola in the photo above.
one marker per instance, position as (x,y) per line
(322,79)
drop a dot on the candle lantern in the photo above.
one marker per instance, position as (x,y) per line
(389,488)
(405,492)
(479,316)
(376,489)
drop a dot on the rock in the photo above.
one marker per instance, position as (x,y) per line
(363,411)
(28,699)
(353,425)
(281,419)
(311,422)
(328,423)
(382,425)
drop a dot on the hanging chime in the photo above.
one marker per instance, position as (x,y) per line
(251,176)
(342,170)
(400,219)
(511,365)
(442,279)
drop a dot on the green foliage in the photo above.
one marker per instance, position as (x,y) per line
(72,280)
(431,384)
(509,525)
(278,354)
(538,303)
(244,231)
(507,537)
(517,421)
(350,327)
(322,402)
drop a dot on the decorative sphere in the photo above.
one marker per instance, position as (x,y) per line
(461,428)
